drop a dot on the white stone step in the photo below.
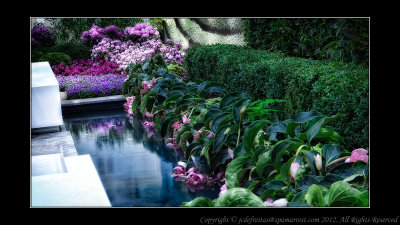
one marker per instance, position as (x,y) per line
(79,186)
(48,164)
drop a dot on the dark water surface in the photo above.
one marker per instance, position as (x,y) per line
(133,167)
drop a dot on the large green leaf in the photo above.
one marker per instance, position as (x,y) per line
(308,180)
(263,160)
(205,150)
(199,202)
(314,196)
(331,152)
(215,123)
(329,135)
(270,187)
(239,197)
(236,115)
(251,133)
(283,147)
(306,116)
(310,158)
(220,137)
(232,97)
(313,127)
(166,120)
(233,169)
(341,194)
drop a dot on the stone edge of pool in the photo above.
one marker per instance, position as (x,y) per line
(74,105)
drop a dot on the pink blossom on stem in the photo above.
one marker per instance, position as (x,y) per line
(222,190)
(358,154)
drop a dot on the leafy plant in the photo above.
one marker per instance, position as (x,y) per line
(56,58)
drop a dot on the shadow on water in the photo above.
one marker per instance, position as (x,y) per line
(135,167)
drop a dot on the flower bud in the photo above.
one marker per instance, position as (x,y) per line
(243,109)
(294,167)
(318,162)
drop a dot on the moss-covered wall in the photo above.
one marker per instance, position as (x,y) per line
(205,31)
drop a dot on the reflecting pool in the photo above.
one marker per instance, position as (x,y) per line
(134,166)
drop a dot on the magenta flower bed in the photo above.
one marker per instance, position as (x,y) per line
(86,67)
(80,86)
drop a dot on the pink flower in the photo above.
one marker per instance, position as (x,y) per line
(318,162)
(176,125)
(211,136)
(195,178)
(148,124)
(222,190)
(172,145)
(180,171)
(294,167)
(358,154)
(169,140)
(185,119)
(282,202)
(149,115)
(153,81)
(269,202)
(230,152)
(196,135)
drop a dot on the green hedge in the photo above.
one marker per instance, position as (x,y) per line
(37,53)
(75,50)
(327,87)
(56,58)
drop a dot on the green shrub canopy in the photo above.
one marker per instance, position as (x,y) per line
(305,84)
(75,50)
(56,58)
(336,39)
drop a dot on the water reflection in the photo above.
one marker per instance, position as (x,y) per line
(135,167)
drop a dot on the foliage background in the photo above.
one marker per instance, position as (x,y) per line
(70,29)
(305,84)
(336,39)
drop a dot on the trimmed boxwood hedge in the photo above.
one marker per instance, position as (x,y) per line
(75,50)
(327,87)
(56,58)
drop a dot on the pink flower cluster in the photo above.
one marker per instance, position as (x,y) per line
(358,154)
(282,202)
(140,31)
(147,86)
(86,67)
(172,53)
(125,53)
(193,177)
(107,49)
(128,105)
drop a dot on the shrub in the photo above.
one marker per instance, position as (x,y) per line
(70,29)
(41,36)
(335,39)
(75,50)
(38,52)
(305,84)
(56,58)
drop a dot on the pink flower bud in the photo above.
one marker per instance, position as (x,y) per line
(294,167)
